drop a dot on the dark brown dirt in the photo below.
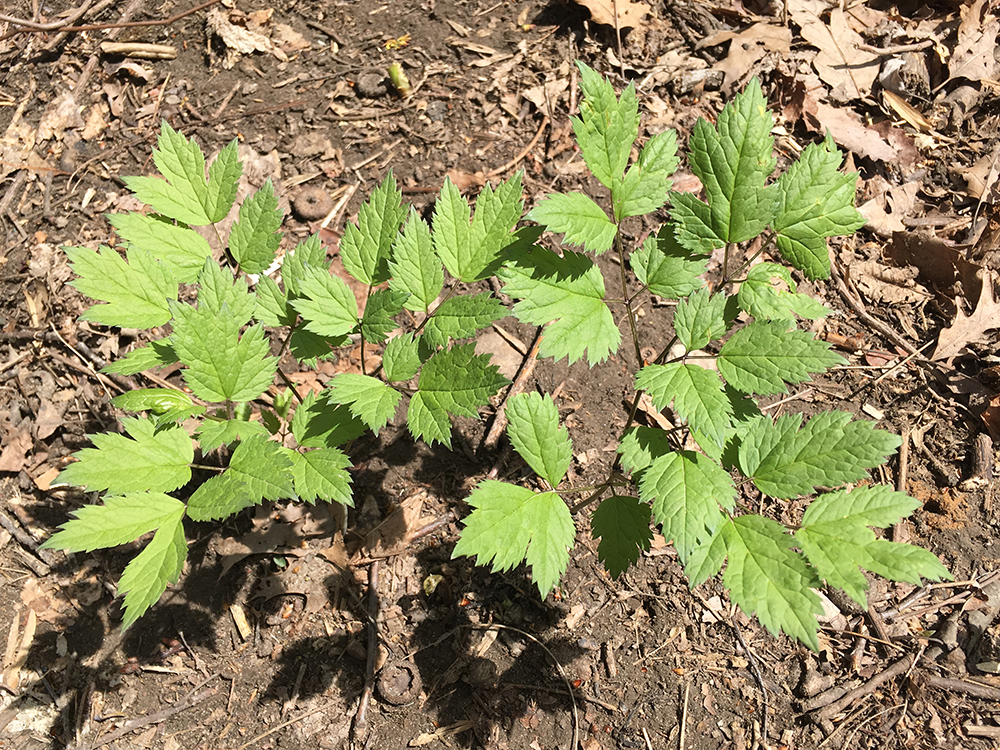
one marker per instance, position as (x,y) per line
(652,664)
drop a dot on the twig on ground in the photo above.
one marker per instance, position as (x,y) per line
(684,716)
(64,26)
(520,380)
(272,730)
(191,699)
(866,688)
(896,49)
(527,150)
(360,728)
(758,677)
(975,689)
(32,548)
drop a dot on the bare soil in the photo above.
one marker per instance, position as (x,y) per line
(478,660)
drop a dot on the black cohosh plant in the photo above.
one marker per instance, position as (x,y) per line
(687,480)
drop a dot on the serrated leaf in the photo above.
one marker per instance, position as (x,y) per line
(607,126)
(308,347)
(767,578)
(213,433)
(119,520)
(186,195)
(219,497)
(160,563)
(260,464)
(733,161)
(647,182)
(135,292)
(156,400)
(698,396)
(221,364)
(223,294)
(567,293)
(762,357)
(146,460)
(157,353)
(415,267)
(666,268)
(622,525)
(255,237)
(576,216)
(462,317)
(497,213)
(401,358)
(272,304)
(686,490)
(327,304)
(816,201)
(452,227)
(368,398)
(453,381)
(534,431)
(768,293)
(380,309)
(366,246)
(322,475)
(836,537)
(320,424)
(180,249)
(700,318)
(640,445)
(309,253)
(511,524)
(831,449)
(706,560)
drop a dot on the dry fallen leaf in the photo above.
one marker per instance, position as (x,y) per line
(603,11)
(885,211)
(970,329)
(746,48)
(848,131)
(974,57)
(849,71)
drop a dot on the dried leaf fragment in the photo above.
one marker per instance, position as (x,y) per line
(603,11)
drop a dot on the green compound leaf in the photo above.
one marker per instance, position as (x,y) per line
(733,162)
(221,364)
(686,490)
(451,237)
(566,293)
(157,353)
(401,358)
(700,318)
(666,268)
(136,292)
(119,520)
(213,433)
(255,236)
(366,246)
(219,497)
(272,304)
(368,398)
(706,560)
(180,249)
(461,317)
(146,577)
(380,309)
(455,381)
(322,475)
(320,424)
(785,461)
(640,446)
(768,293)
(622,525)
(698,396)
(762,357)
(308,347)
(816,202)
(327,305)
(185,195)
(765,577)
(146,460)
(647,182)
(607,127)
(581,220)
(497,213)
(511,524)
(534,431)
(262,466)
(309,253)
(222,294)
(836,537)
(415,268)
